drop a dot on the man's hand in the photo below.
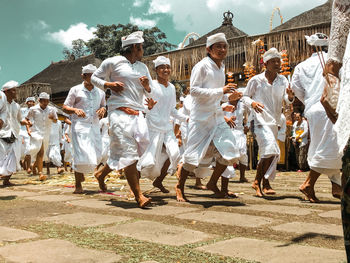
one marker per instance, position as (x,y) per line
(114,86)
(52,116)
(235,96)
(68,139)
(1,123)
(80,113)
(150,103)
(145,83)
(229,108)
(290,93)
(230,121)
(101,112)
(332,67)
(257,106)
(229,88)
(29,132)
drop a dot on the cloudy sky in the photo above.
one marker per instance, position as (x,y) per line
(34,32)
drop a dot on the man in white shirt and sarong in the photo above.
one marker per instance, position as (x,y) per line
(209,136)
(162,154)
(40,116)
(10,143)
(129,80)
(265,93)
(323,154)
(54,149)
(86,103)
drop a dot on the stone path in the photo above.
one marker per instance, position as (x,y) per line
(47,223)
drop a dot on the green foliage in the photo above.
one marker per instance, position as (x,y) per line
(78,50)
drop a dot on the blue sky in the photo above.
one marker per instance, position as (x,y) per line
(34,32)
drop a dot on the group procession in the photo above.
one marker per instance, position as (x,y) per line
(141,130)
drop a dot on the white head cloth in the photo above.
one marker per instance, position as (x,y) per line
(30,99)
(88,69)
(270,54)
(318,39)
(219,37)
(133,38)
(44,95)
(10,85)
(161,60)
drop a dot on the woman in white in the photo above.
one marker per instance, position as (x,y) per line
(87,105)
(162,154)
(41,116)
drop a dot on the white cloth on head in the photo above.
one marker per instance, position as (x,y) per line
(161,60)
(88,69)
(10,85)
(119,68)
(86,136)
(315,40)
(44,95)
(270,54)
(104,127)
(133,38)
(216,38)
(30,99)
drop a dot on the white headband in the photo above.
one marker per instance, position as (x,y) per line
(270,54)
(315,40)
(44,95)
(88,69)
(161,60)
(133,38)
(10,85)
(219,37)
(30,99)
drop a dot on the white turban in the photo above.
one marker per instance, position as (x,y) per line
(88,69)
(133,38)
(318,39)
(10,85)
(30,99)
(44,95)
(219,37)
(161,60)
(270,54)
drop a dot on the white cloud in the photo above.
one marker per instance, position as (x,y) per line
(65,37)
(142,22)
(41,24)
(0,68)
(138,3)
(160,7)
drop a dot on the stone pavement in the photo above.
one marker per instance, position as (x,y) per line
(45,222)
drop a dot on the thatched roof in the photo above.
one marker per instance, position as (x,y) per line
(318,15)
(227,28)
(64,74)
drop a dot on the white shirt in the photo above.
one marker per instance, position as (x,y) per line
(158,118)
(283,127)
(12,120)
(207,82)
(104,126)
(40,119)
(56,133)
(271,96)
(89,101)
(304,129)
(119,68)
(3,111)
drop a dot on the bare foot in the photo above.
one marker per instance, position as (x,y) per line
(180,194)
(143,201)
(216,190)
(230,194)
(101,181)
(257,188)
(200,187)
(60,170)
(269,191)
(243,180)
(7,183)
(35,172)
(336,190)
(42,177)
(78,190)
(29,171)
(161,187)
(309,193)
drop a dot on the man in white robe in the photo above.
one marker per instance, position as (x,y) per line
(323,153)
(40,116)
(209,136)
(162,154)
(265,93)
(87,105)
(129,80)
(10,143)
(54,149)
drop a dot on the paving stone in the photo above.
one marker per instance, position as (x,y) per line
(225,218)
(158,233)
(86,219)
(164,210)
(149,261)
(332,213)
(8,234)
(41,187)
(303,228)
(278,209)
(6,192)
(53,198)
(93,203)
(273,252)
(54,251)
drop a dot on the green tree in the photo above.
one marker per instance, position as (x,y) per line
(79,49)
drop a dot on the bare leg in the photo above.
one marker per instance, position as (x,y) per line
(100,176)
(158,182)
(27,163)
(132,177)
(242,178)
(267,189)
(199,185)
(308,187)
(212,184)
(336,190)
(258,177)
(39,163)
(180,186)
(6,180)
(79,178)
(224,187)
(48,168)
